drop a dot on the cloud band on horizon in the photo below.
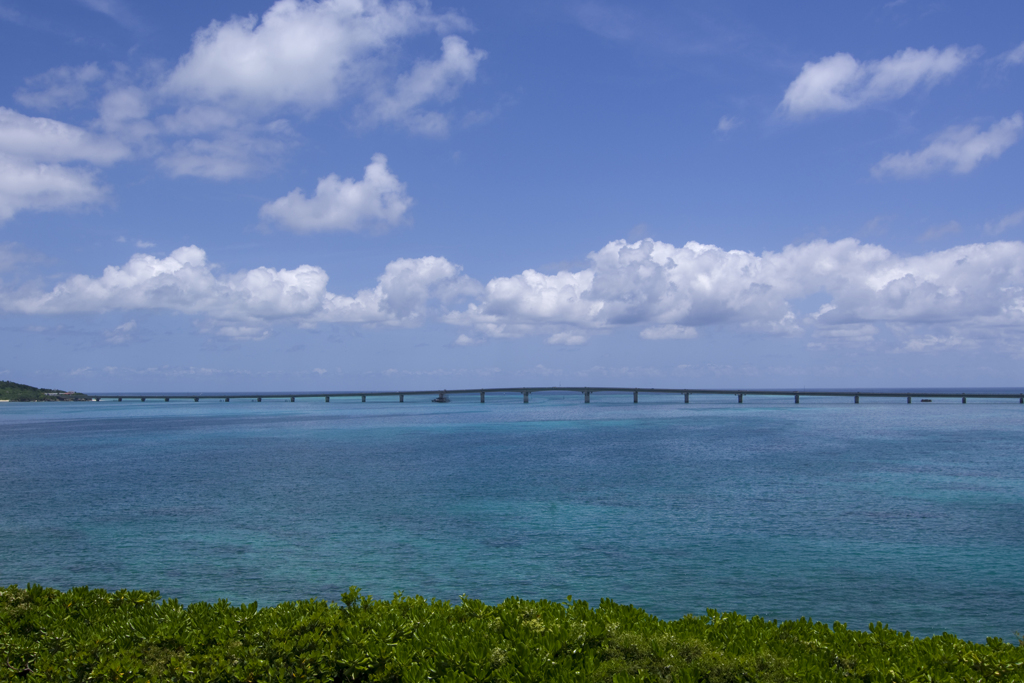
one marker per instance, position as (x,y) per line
(663,291)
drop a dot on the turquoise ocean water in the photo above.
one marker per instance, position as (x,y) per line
(912,515)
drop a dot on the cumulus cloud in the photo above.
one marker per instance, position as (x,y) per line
(958,149)
(245,303)
(841,83)
(221,112)
(302,56)
(378,199)
(306,54)
(184,281)
(667,292)
(673,290)
(405,293)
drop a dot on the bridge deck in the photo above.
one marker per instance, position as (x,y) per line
(585,391)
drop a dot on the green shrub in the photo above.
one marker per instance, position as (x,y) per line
(93,635)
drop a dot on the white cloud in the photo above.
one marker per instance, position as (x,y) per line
(245,303)
(32,151)
(185,282)
(967,292)
(404,293)
(300,57)
(841,83)
(44,187)
(121,333)
(669,332)
(218,113)
(1014,56)
(438,80)
(958,149)
(249,332)
(567,339)
(144,245)
(123,113)
(305,54)
(727,123)
(46,140)
(670,289)
(378,199)
(61,86)
(232,154)
(851,332)
(933,342)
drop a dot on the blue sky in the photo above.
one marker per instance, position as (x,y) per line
(350,194)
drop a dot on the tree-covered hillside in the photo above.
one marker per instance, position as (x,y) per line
(12,391)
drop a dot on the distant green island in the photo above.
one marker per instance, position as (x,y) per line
(12,391)
(94,635)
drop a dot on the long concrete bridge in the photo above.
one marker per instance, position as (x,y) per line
(586,392)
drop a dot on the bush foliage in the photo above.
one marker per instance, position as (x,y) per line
(93,635)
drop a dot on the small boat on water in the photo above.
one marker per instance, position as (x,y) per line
(441,398)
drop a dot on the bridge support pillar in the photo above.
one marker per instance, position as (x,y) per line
(686,398)
(636,397)
(327,399)
(481,397)
(401,398)
(526,397)
(227,399)
(293,399)
(740,397)
(796,398)
(197,399)
(119,400)
(963,399)
(908,399)
(856,399)
(1022,398)
(259,399)
(143,399)
(586,397)
(167,399)
(364,398)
